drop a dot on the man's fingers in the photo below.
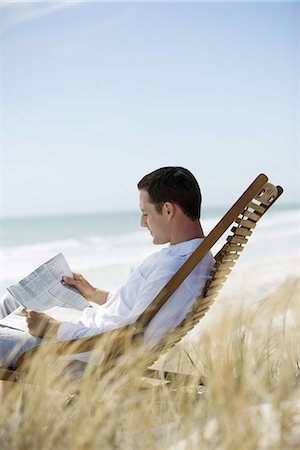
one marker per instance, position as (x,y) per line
(69,281)
(77,276)
(73,281)
(26,312)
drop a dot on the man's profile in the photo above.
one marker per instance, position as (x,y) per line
(170,203)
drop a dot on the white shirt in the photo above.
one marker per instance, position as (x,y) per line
(142,286)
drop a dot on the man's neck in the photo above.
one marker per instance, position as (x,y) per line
(186,231)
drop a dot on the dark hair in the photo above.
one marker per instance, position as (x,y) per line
(173,184)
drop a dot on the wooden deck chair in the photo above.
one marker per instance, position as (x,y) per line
(245,214)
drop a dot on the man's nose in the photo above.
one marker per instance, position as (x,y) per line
(143,222)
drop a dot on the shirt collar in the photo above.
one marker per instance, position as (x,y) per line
(183,248)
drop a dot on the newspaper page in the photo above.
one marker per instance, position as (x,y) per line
(44,290)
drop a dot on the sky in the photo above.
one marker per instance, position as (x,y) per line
(95,95)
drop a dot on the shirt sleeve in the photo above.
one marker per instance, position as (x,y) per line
(68,330)
(173,311)
(144,296)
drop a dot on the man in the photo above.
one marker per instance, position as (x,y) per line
(170,202)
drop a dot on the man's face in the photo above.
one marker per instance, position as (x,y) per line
(157,223)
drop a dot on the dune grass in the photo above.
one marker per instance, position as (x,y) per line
(249,358)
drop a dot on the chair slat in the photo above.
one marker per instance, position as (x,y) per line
(264,202)
(233,248)
(246,223)
(224,264)
(230,257)
(240,231)
(216,287)
(268,194)
(222,274)
(259,208)
(237,240)
(251,215)
(215,283)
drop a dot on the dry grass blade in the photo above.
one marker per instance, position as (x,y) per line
(250,366)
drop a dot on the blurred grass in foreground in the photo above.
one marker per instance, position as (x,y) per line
(250,360)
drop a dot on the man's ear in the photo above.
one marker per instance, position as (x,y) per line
(169,209)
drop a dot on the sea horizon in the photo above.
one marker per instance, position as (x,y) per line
(209,208)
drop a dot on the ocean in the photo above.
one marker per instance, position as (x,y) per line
(105,247)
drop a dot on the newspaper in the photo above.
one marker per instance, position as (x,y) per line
(44,290)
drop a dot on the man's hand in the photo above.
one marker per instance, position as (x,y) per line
(40,324)
(88,291)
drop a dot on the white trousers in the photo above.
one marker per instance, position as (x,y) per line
(13,342)
(7,305)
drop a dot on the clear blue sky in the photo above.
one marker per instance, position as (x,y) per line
(94,95)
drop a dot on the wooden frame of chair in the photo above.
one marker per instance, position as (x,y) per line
(246,212)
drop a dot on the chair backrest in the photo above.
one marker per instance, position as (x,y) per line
(245,222)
